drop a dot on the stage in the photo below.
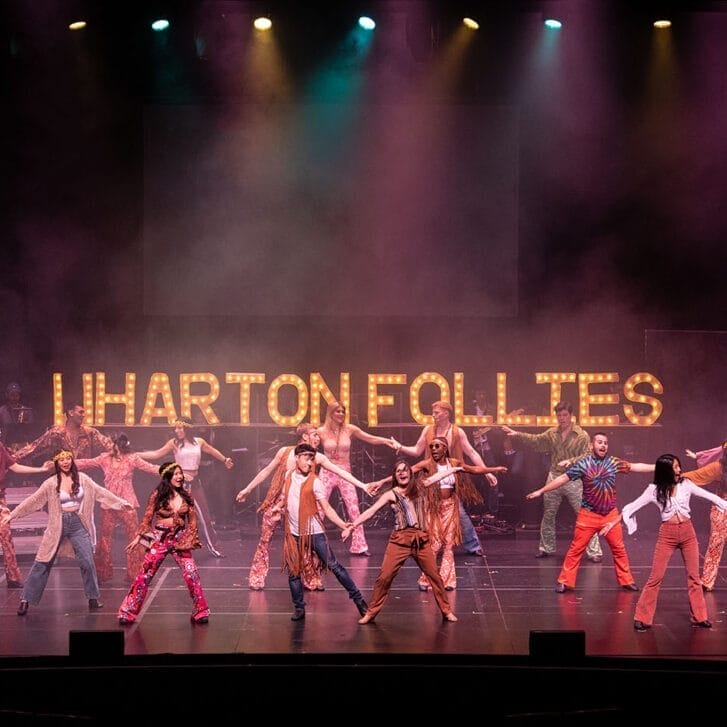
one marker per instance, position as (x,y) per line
(512,626)
(500,599)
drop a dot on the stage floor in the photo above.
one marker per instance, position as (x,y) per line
(500,599)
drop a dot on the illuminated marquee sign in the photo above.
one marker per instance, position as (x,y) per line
(639,392)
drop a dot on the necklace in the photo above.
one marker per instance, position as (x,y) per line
(334,453)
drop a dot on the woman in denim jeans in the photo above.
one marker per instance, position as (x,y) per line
(70,497)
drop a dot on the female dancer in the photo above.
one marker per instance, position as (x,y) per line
(70,497)
(118,467)
(714,471)
(336,438)
(444,522)
(169,526)
(409,537)
(187,452)
(670,493)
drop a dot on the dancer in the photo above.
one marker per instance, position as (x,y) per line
(272,506)
(118,467)
(336,438)
(169,526)
(73,436)
(566,441)
(409,537)
(444,501)
(304,496)
(459,447)
(671,493)
(70,497)
(13,578)
(598,472)
(705,475)
(187,451)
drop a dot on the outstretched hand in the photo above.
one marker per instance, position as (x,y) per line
(533,495)
(241,496)
(133,544)
(691,454)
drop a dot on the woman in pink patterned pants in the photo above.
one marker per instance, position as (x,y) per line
(170,516)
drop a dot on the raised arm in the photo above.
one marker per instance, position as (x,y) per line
(43,442)
(387,497)
(86,463)
(142,465)
(331,514)
(711,472)
(417,449)
(106,496)
(552,485)
(472,453)
(705,456)
(707,495)
(630,509)
(166,449)
(30,504)
(24,469)
(261,476)
(641,467)
(207,448)
(359,433)
(326,463)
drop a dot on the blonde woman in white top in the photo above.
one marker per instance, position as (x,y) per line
(671,494)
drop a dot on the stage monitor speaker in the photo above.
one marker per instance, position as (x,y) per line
(97,647)
(558,646)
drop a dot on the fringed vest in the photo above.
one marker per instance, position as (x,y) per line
(294,551)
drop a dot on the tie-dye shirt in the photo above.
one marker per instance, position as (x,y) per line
(599,481)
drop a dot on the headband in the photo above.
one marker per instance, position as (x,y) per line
(63,453)
(169,468)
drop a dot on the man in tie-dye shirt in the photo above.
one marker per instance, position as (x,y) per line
(598,513)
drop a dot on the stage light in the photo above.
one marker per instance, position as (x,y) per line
(262,23)
(662,23)
(77,25)
(553,24)
(366,23)
(471,23)
(160,24)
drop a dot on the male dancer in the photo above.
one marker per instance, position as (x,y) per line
(304,497)
(566,441)
(272,506)
(598,513)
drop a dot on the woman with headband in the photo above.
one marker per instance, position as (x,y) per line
(187,450)
(169,526)
(70,496)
